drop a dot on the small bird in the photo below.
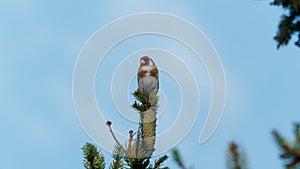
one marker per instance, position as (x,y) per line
(148,78)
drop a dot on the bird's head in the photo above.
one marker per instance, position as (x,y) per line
(145,60)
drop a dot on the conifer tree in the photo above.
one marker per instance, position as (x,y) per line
(178,159)
(236,157)
(290,150)
(289,23)
(93,159)
(137,152)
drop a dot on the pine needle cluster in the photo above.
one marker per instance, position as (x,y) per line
(178,159)
(236,157)
(290,150)
(290,22)
(93,159)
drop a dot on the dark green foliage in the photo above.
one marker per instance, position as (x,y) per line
(290,150)
(236,158)
(118,156)
(137,163)
(93,159)
(144,103)
(142,106)
(159,162)
(290,22)
(177,158)
(144,163)
(139,107)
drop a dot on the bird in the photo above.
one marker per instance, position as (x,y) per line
(148,83)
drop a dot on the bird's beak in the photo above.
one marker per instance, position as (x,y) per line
(142,61)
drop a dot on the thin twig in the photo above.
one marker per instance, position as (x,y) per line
(108,123)
(130,139)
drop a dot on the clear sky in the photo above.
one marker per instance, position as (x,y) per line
(41,40)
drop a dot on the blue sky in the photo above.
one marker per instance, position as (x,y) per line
(41,40)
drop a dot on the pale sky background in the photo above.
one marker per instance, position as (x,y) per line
(41,40)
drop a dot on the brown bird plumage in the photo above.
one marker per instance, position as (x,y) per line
(148,77)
